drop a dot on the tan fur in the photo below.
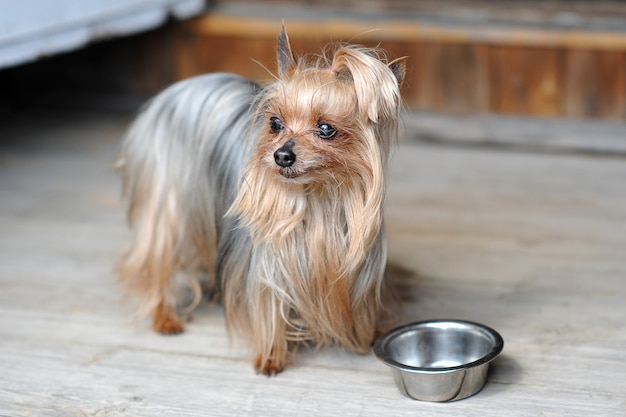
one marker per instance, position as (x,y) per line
(301,253)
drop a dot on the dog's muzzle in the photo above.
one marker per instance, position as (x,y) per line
(285,156)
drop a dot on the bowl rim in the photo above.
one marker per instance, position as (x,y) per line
(381,343)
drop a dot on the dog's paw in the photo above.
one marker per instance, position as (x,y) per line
(165,321)
(269,367)
(170,326)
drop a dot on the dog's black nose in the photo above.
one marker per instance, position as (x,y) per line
(284,156)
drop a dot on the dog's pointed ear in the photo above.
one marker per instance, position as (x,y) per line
(398,67)
(286,59)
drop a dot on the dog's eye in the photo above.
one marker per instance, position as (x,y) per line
(326,131)
(276,125)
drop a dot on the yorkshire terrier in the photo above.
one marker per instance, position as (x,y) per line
(269,198)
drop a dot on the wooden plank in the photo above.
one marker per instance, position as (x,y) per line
(545,81)
(483,74)
(451,77)
(456,76)
(236,54)
(427,61)
(594,84)
(526,80)
(463,75)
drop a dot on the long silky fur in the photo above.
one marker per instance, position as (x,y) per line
(181,166)
(297,260)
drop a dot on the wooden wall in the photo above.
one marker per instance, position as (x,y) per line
(537,72)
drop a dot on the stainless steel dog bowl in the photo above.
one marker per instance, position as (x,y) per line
(442,360)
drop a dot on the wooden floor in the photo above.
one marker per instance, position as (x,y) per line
(531,244)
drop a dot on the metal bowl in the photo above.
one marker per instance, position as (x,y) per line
(441,360)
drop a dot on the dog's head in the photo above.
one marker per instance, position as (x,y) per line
(327,118)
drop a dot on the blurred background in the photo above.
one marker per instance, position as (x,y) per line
(563,59)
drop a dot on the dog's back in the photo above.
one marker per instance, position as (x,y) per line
(180,164)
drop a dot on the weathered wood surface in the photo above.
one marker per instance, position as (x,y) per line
(531,244)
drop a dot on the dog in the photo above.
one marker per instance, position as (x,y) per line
(269,199)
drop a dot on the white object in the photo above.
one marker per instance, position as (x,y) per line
(32,29)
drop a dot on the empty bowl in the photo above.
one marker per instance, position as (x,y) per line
(441,360)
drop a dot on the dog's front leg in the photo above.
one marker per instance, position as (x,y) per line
(271,349)
(165,320)
(274,363)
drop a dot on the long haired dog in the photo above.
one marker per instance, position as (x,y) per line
(270,198)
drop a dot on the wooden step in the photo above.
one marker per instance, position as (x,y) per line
(457,66)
